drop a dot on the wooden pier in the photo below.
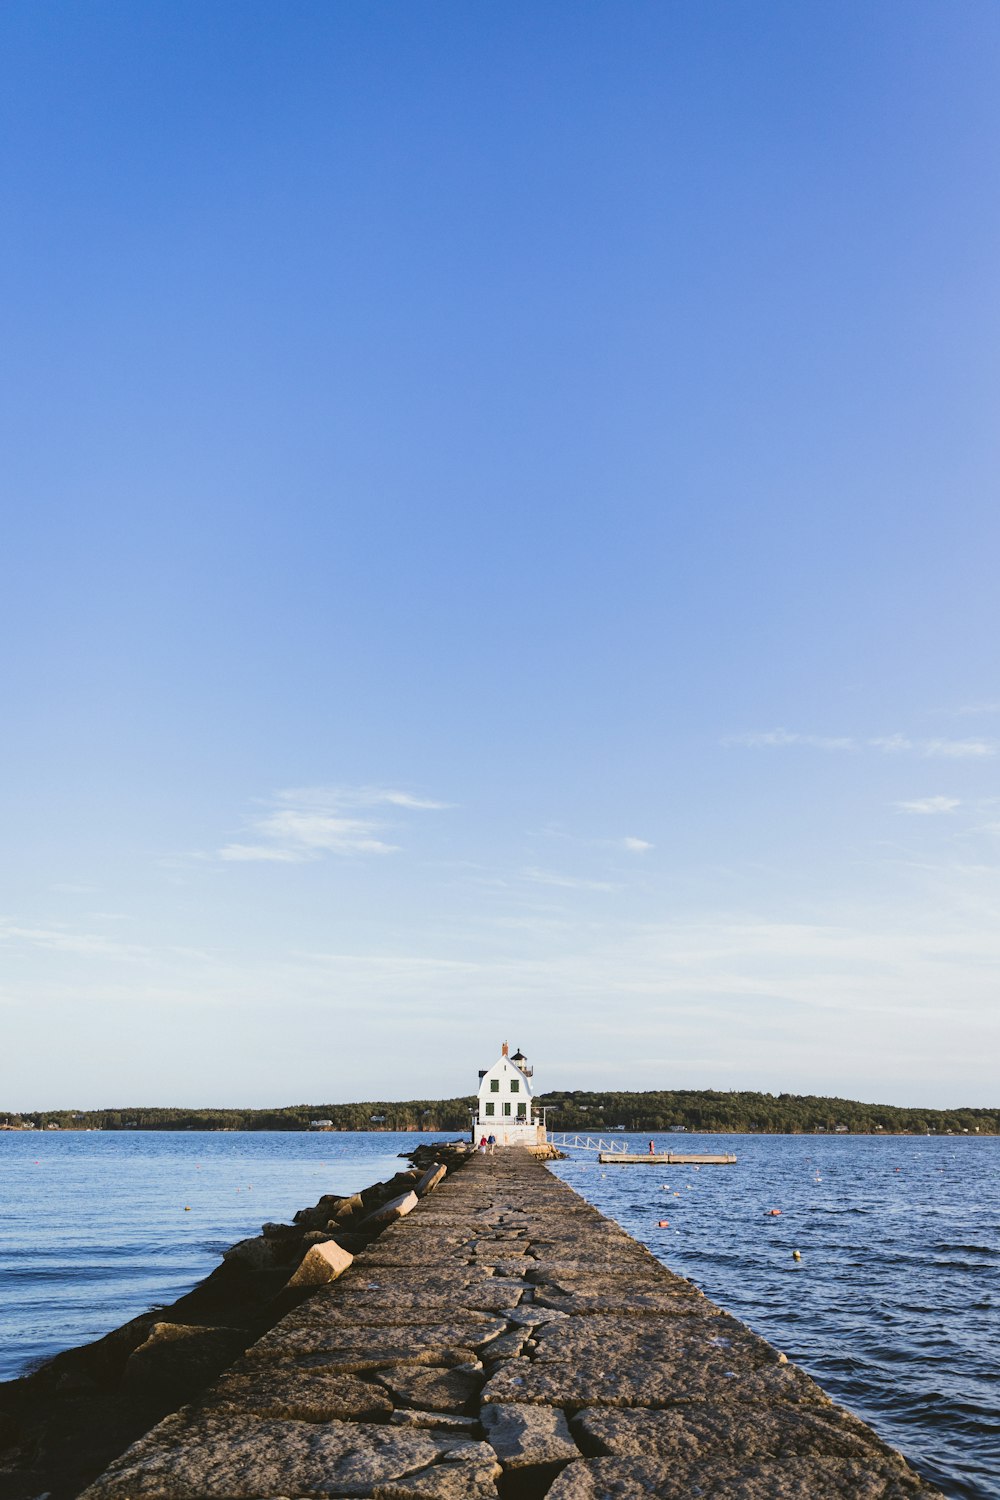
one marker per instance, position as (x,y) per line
(667,1158)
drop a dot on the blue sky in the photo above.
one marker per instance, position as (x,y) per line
(500,540)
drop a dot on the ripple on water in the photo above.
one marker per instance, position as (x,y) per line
(893,1312)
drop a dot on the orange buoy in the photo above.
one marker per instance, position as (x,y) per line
(773,1213)
(664,1224)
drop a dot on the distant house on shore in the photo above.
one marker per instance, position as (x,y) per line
(506,1099)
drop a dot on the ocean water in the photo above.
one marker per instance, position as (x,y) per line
(893,1307)
(96,1227)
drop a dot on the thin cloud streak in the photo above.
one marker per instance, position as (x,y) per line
(567,882)
(888,744)
(930,805)
(308,823)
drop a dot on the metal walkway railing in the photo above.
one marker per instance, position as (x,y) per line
(586,1143)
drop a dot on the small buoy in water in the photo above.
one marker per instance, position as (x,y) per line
(773,1213)
(796,1255)
(664,1224)
(187,1210)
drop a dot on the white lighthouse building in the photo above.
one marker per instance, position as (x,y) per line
(506,1100)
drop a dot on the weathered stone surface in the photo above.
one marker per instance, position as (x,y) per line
(433,1390)
(321,1263)
(345,1208)
(524,1436)
(641,1378)
(257,1252)
(440,1421)
(430,1179)
(689,1436)
(465,1288)
(781,1479)
(388,1213)
(507,1346)
(586,1344)
(305,1393)
(472,1479)
(624,1301)
(180,1354)
(714,1338)
(227,1457)
(281,1231)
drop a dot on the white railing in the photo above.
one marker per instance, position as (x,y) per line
(586,1143)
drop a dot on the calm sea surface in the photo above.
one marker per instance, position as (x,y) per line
(893,1306)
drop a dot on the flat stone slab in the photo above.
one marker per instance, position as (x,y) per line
(597,1377)
(306,1393)
(712,1337)
(526,1436)
(455,1391)
(687,1439)
(237,1458)
(357,1348)
(776,1479)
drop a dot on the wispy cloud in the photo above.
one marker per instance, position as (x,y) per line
(929,805)
(960,749)
(59,939)
(306,823)
(567,882)
(769,738)
(636,846)
(888,744)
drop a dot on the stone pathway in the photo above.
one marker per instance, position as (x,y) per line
(506,1340)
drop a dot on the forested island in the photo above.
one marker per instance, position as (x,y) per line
(576,1110)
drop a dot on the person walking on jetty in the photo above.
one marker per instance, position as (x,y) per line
(492,1143)
(482,1144)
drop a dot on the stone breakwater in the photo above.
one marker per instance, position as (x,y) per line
(63,1424)
(506,1340)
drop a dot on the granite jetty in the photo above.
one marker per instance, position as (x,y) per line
(504,1339)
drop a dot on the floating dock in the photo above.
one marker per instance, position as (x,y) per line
(667,1158)
(507,1340)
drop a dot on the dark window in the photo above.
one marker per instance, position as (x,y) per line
(522,1111)
(494,1085)
(506,1109)
(489,1107)
(515,1087)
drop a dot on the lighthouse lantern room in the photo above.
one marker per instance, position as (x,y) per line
(506,1101)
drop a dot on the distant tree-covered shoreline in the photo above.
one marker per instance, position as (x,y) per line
(685,1110)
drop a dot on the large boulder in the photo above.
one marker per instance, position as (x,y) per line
(429,1180)
(257,1253)
(389,1212)
(180,1358)
(320,1264)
